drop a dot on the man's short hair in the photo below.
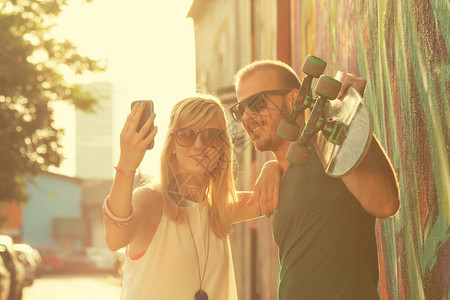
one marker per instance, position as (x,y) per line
(286,74)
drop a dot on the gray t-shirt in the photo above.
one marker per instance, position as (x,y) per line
(326,240)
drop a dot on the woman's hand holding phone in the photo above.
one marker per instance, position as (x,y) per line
(134,142)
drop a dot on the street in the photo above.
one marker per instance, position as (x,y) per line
(74,287)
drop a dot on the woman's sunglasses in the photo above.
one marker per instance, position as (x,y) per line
(186,137)
(256,103)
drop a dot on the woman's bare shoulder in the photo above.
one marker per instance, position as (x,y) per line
(148,197)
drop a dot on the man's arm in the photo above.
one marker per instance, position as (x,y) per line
(244,210)
(265,195)
(373,182)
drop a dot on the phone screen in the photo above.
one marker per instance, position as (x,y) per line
(144,117)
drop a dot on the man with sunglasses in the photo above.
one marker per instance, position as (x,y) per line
(324,227)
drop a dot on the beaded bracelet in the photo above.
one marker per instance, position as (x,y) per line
(106,217)
(118,170)
(114,219)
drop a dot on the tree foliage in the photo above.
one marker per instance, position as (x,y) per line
(31,67)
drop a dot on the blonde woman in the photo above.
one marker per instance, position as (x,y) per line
(176,232)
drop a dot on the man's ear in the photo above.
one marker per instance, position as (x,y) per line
(291,98)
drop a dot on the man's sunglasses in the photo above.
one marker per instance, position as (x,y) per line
(256,103)
(186,137)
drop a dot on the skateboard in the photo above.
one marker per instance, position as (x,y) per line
(340,129)
(313,67)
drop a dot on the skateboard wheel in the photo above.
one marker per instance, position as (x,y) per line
(298,154)
(328,87)
(288,130)
(314,66)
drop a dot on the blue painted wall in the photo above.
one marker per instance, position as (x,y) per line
(51,196)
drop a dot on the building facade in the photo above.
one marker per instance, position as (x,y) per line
(228,35)
(53,217)
(94,135)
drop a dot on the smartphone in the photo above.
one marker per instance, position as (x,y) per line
(148,110)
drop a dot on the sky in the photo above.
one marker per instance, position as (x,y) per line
(149,48)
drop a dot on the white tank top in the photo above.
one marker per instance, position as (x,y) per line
(169,269)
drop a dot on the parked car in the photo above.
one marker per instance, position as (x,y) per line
(38,259)
(51,260)
(78,262)
(26,257)
(118,271)
(5,280)
(93,259)
(103,259)
(14,266)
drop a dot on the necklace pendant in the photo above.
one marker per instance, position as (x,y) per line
(201,295)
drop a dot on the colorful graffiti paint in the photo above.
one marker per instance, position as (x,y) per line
(402,49)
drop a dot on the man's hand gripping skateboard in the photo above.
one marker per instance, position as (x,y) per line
(339,130)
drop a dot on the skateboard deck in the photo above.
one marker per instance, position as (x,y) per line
(355,137)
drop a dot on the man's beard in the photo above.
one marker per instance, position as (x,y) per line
(273,142)
(270,144)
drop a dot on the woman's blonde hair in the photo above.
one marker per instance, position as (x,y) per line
(196,112)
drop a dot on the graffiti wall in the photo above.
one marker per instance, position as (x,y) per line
(402,49)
